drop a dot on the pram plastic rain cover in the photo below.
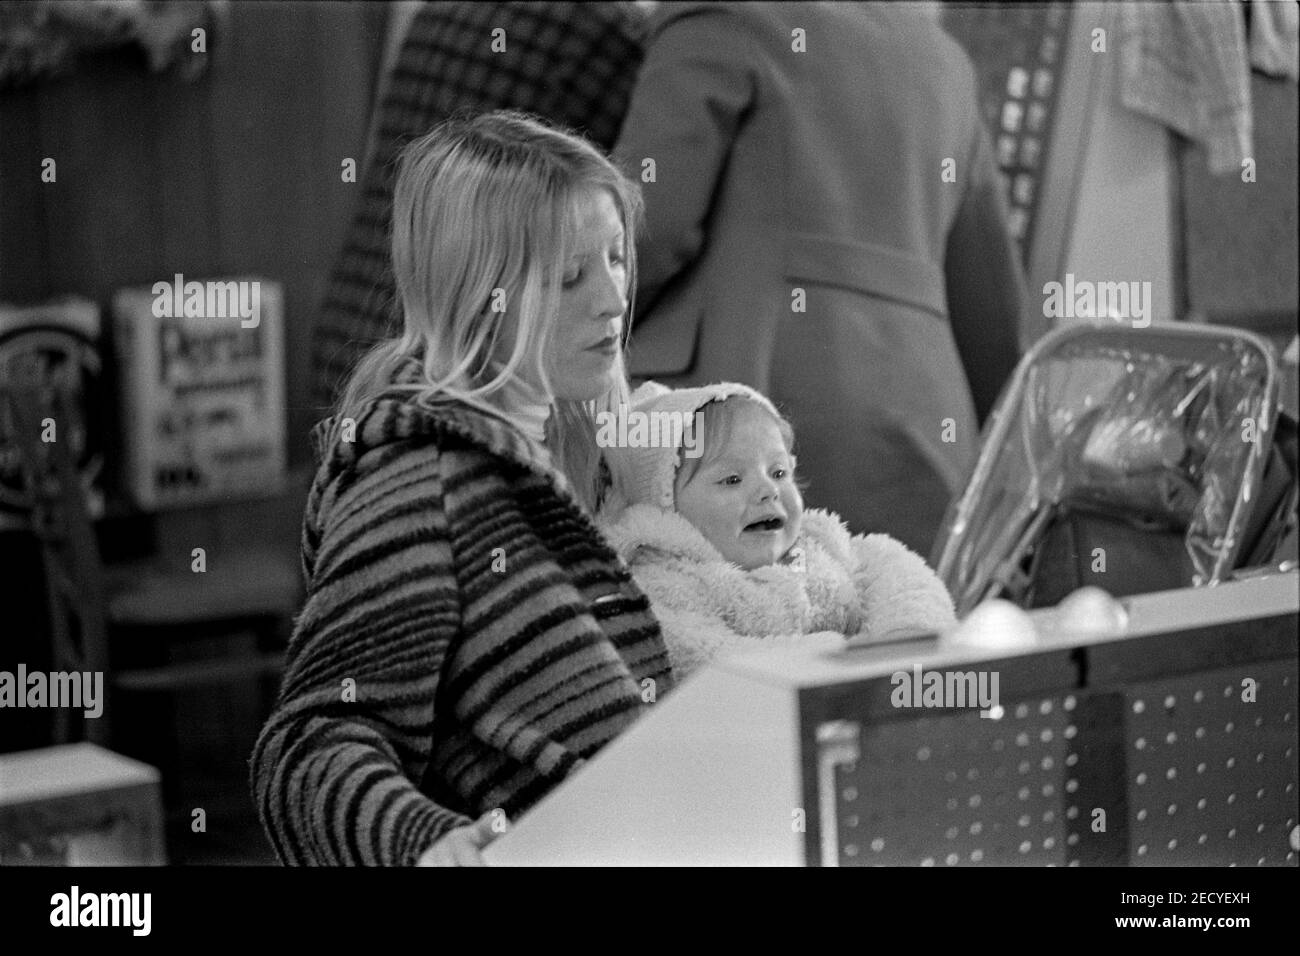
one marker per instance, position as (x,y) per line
(1167,427)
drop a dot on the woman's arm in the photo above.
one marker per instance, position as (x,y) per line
(334,770)
(987,294)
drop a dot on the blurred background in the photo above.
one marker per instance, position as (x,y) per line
(231,162)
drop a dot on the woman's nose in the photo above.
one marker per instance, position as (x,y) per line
(610,294)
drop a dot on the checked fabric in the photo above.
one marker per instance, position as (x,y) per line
(571,63)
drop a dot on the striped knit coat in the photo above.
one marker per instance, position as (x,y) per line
(467,641)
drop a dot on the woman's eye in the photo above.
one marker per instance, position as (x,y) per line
(569,281)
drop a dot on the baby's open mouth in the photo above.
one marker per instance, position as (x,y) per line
(767,524)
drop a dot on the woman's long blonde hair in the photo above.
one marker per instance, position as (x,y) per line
(483,216)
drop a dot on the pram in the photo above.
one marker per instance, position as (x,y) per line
(1135,460)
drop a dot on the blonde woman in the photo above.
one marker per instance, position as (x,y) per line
(468,638)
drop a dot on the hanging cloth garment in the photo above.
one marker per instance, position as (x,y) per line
(1275,38)
(1184,64)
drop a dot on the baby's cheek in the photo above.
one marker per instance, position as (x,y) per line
(795,528)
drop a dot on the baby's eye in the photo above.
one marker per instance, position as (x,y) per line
(730,480)
(779,473)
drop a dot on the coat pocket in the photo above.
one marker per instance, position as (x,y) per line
(867,268)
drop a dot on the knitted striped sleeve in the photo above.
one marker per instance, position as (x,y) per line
(334,770)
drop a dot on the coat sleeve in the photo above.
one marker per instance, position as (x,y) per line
(987,294)
(682,599)
(694,87)
(335,768)
(898,589)
(758,603)
(695,639)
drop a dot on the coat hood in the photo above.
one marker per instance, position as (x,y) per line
(341,441)
(393,416)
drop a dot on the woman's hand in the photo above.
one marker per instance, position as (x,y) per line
(460,847)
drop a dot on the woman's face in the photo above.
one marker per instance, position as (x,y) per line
(583,353)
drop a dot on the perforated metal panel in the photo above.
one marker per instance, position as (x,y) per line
(1212,777)
(1180,771)
(958,790)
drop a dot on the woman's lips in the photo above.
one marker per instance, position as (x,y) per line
(605,346)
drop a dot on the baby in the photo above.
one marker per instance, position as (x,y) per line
(711,522)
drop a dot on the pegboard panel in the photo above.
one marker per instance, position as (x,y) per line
(1177,771)
(1211,778)
(961,789)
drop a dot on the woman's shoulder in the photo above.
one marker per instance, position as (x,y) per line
(393,462)
(375,463)
(393,429)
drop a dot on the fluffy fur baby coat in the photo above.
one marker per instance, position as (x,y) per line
(838,584)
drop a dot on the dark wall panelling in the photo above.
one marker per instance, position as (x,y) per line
(236,172)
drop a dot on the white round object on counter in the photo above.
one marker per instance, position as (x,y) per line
(994,623)
(1090,610)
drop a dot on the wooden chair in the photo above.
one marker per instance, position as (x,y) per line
(74,582)
(100,615)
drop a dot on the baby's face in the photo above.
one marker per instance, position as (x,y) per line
(744,501)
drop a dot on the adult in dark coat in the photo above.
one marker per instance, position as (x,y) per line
(824,222)
(571,63)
